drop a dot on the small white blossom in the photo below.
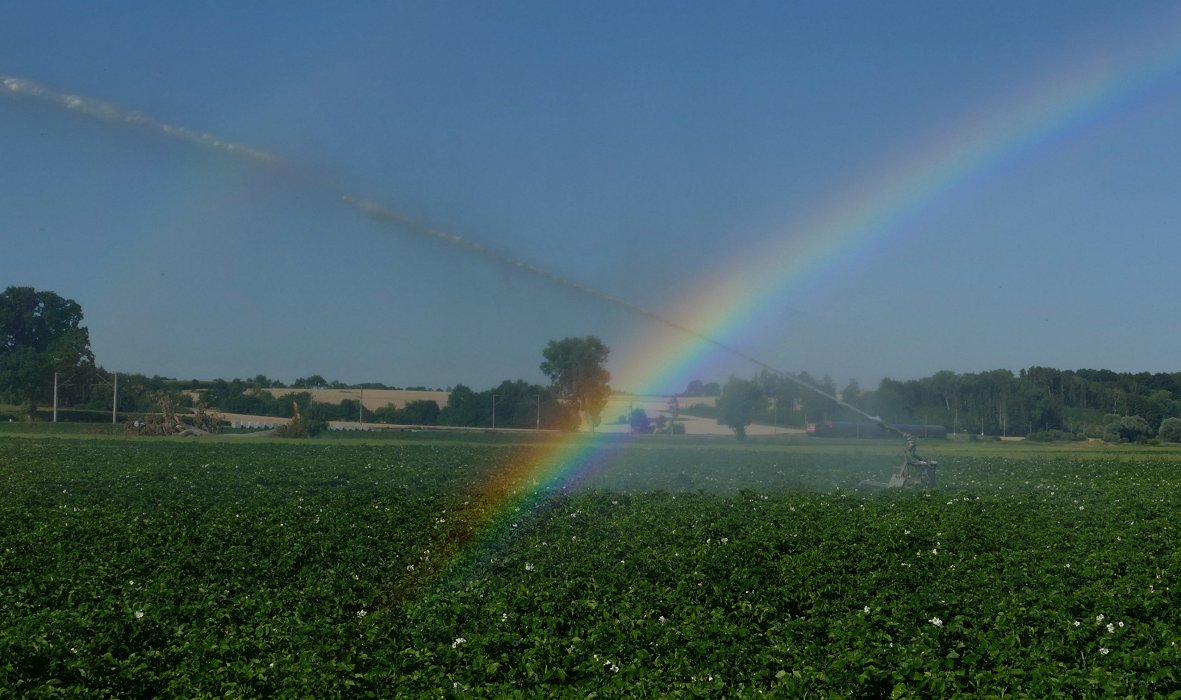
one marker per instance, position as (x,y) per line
(457,642)
(1099,618)
(866,609)
(1104,650)
(1077,623)
(139,614)
(362,612)
(661,619)
(1110,627)
(529,567)
(936,621)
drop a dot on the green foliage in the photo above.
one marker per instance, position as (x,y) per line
(1126,429)
(639,421)
(41,334)
(1052,436)
(147,568)
(740,401)
(519,405)
(303,426)
(575,366)
(1170,430)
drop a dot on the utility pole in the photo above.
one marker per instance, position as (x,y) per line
(114,394)
(538,397)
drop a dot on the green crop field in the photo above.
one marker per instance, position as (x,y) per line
(435,566)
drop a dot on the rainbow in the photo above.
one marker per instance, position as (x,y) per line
(877,210)
(1061,106)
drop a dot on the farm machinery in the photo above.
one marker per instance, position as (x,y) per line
(914,470)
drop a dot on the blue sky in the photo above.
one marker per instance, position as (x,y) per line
(649,150)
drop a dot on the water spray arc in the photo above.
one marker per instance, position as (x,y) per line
(103,111)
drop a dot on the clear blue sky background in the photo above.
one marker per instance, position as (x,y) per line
(640,148)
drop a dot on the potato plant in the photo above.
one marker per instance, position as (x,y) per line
(430,568)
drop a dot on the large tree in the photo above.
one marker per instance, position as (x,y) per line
(40,334)
(741,399)
(575,366)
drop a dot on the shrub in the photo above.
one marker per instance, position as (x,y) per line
(1126,429)
(1170,430)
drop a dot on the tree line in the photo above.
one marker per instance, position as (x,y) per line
(45,357)
(1038,402)
(45,350)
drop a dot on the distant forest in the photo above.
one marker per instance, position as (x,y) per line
(1037,401)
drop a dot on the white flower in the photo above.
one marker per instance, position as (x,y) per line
(936,621)
(661,619)
(362,613)
(934,551)
(1077,623)
(866,609)
(1104,650)
(725,540)
(139,614)
(529,567)
(1110,627)
(457,642)
(1099,617)
(504,617)
(1121,624)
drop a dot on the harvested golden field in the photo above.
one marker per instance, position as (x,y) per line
(373,399)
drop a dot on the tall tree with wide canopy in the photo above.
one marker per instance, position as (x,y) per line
(741,399)
(40,333)
(575,366)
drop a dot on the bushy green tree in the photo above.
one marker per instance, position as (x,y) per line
(40,333)
(741,399)
(575,366)
(1170,430)
(1126,429)
(640,423)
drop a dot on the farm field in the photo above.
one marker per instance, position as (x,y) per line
(429,565)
